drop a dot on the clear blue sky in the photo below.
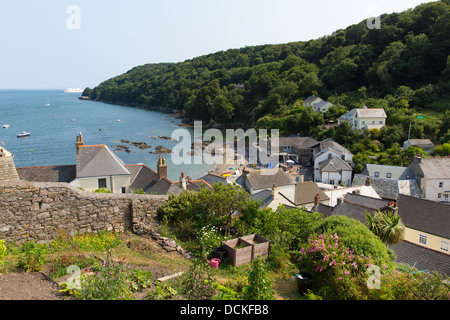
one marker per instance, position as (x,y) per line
(39,51)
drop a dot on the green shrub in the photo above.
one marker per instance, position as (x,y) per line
(356,236)
(32,256)
(259,285)
(3,252)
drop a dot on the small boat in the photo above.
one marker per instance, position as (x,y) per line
(23,134)
(47,104)
(6,126)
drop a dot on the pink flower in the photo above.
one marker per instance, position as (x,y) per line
(346,272)
(340,278)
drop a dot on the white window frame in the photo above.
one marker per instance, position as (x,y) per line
(423,239)
(445,246)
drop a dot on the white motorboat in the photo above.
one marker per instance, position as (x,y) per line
(23,134)
(5,126)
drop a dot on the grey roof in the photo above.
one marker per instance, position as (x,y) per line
(397,173)
(355,206)
(323,104)
(371,113)
(213,179)
(311,99)
(390,189)
(99,161)
(65,173)
(305,192)
(258,180)
(330,144)
(334,164)
(432,168)
(425,215)
(420,142)
(423,258)
(264,196)
(305,142)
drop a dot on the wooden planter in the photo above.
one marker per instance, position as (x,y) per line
(261,246)
(239,251)
(245,249)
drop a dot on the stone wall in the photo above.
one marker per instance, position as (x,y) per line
(39,211)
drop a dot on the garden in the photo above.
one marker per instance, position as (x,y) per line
(238,252)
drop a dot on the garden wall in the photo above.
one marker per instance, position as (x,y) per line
(39,211)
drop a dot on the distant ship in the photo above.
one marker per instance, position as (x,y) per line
(73,90)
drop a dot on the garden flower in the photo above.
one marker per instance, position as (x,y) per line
(346,272)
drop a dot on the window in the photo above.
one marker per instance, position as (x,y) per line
(408,176)
(422,239)
(332,182)
(441,184)
(377,174)
(381,122)
(445,246)
(389,175)
(101,183)
(363,123)
(124,190)
(439,195)
(446,198)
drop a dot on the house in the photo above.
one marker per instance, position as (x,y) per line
(311,101)
(322,106)
(333,163)
(8,171)
(433,177)
(98,167)
(427,234)
(298,149)
(424,144)
(259,180)
(335,171)
(365,118)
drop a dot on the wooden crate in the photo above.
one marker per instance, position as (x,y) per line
(250,248)
(239,251)
(261,245)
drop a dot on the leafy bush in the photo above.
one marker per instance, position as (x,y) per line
(3,252)
(356,236)
(32,256)
(259,285)
(198,282)
(162,291)
(59,265)
(111,281)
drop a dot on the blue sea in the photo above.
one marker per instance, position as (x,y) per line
(54,129)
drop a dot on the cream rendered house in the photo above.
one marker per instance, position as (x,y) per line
(98,167)
(365,118)
(427,223)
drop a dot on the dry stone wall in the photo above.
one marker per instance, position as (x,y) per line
(39,211)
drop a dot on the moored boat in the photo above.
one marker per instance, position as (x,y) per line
(23,134)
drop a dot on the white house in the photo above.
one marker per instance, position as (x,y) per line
(424,144)
(311,101)
(433,176)
(365,118)
(322,106)
(333,163)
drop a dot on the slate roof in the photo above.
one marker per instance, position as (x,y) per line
(65,173)
(322,104)
(311,99)
(390,189)
(425,215)
(363,190)
(99,161)
(423,258)
(355,206)
(432,168)
(300,142)
(213,179)
(258,180)
(305,192)
(328,144)
(371,113)
(334,164)
(397,173)
(421,142)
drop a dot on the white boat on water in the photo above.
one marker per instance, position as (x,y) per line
(47,104)
(6,126)
(23,134)
(73,90)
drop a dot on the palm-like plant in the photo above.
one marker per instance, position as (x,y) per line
(388,226)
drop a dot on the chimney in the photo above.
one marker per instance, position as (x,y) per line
(340,201)
(79,143)
(162,168)
(183,181)
(357,191)
(417,159)
(245,172)
(368,182)
(301,178)
(274,191)
(317,200)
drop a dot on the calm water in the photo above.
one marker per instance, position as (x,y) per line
(54,129)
